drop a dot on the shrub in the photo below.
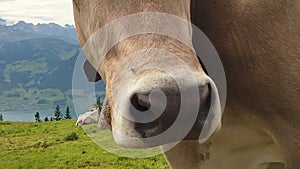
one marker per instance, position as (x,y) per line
(72,137)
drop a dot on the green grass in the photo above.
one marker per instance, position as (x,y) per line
(60,145)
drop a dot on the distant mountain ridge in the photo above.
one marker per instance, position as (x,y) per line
(3,22)
(22,31)
(36,65)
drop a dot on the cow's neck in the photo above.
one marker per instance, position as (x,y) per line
(252,148)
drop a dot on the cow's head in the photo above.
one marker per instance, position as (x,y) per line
(154,81)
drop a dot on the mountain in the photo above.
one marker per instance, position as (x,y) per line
(22,31)
(36,65)
(28,60)
(3,22)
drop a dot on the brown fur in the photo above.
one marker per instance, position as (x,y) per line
(259,45)
(118,53)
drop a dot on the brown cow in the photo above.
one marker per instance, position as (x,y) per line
(259,45)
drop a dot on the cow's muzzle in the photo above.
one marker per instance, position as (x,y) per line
(157,111)
(153,103)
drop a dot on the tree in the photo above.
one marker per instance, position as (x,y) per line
(46,119)
(99,102)
(57,114)
(37,117)
(1,117)
(68,113)
(51,119)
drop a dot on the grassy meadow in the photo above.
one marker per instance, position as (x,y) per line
(62,145)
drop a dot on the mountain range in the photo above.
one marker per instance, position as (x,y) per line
(36,65)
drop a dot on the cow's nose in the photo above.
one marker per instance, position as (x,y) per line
(140,101)
(149,103)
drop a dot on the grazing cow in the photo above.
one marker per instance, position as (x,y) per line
(259,45)
(90,117)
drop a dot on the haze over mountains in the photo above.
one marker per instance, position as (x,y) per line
(36,65)
(22,31)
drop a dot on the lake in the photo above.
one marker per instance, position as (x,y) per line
(28,115)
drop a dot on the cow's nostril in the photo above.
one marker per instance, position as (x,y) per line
(140,101)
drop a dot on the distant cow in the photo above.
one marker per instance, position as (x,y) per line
(90,117)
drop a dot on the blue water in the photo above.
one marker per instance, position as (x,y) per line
(28,115)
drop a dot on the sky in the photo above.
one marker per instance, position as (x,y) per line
(37,11)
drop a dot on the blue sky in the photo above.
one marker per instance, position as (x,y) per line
(37,11)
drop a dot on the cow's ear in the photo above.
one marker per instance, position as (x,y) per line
(90,72)
(104,117)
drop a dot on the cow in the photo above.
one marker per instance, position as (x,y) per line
(259,45)
(90,117)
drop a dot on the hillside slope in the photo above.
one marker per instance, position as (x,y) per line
(43,145)
(36,65)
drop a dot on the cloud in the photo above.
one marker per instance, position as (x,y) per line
(37,11)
